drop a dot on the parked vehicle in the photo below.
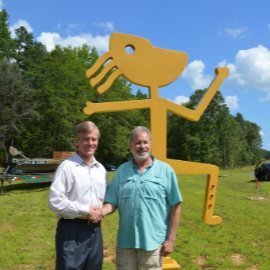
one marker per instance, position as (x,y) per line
(263,171)
(110,167)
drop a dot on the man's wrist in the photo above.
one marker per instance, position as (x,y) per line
(108,209)
(171,239)
(105,211)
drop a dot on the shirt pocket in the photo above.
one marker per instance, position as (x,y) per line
(153,189)
(125,191)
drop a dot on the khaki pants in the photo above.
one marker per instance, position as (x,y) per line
(138,259)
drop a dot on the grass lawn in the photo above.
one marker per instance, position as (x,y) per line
(241,241)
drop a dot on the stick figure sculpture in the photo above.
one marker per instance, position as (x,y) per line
(153,67)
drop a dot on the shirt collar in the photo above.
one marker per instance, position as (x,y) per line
(134,166)
(79,160)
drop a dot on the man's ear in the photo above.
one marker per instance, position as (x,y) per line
(129,145)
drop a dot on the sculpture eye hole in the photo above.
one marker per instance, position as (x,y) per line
(130,49)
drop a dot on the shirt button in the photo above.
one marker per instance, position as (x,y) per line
(136,201)
(137,190)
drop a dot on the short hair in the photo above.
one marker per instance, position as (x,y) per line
(139,129)
(85,126)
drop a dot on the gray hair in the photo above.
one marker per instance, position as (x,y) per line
(85,126)
(139,129)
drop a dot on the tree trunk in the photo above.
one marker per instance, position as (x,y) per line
(4,148)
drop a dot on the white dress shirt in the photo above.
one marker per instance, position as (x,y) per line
(76,186)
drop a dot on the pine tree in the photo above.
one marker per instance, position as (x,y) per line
(7,46)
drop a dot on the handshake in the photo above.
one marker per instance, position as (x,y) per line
(95,214)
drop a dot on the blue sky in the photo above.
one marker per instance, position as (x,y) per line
(213,33)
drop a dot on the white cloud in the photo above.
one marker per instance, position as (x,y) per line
(52,39)
(58,26)
(1,4)
(108,26)
(180,100)
(268,144)
(222,63)
(236,32)
(268,25)
(251,70)
(261,133)
(193,74)
(232,102)
(18,24)
(265,99)
(74,25)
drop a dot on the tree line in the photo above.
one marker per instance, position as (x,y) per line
(42,96)
(266,154)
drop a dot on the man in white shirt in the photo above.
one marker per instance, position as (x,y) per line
(76,196)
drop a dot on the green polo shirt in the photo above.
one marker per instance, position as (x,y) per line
(144,203)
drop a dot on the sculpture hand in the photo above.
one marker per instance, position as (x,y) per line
(89,110)
(223,72)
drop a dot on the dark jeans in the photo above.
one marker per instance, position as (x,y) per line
(78,245)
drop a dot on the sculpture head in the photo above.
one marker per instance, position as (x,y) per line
(146,66)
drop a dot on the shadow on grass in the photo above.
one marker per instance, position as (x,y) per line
(23,187)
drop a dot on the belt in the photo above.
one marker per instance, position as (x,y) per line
(77,221)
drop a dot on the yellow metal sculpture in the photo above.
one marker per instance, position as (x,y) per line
(153,67)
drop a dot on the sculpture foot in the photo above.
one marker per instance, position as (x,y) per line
(212,220)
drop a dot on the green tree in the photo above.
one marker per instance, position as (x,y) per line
(227,128)
(60,103)
(7,47)
(205,131)
(16,104)
(217,138)
(249,141)
(30,57)
(265,154)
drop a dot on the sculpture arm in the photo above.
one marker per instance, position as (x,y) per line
(116,106)
(194,115)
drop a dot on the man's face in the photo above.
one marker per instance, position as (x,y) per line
(87,143)
(140,146)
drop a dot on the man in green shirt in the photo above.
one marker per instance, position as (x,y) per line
(146,194)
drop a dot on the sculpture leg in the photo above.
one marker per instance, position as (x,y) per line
(185,167)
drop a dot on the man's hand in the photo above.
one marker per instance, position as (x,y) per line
(168,245)
(95,214)
(167,248)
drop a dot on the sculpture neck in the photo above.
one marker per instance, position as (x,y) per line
(153,92)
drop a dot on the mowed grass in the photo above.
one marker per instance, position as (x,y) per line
(241,241)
